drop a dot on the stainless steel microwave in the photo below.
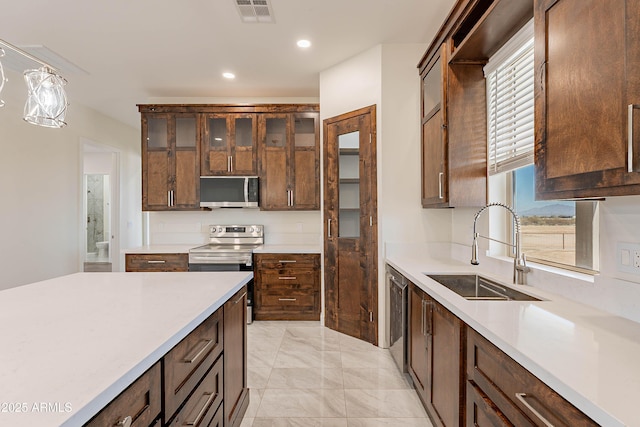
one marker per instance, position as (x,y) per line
(229,191)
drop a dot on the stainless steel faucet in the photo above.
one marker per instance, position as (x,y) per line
(519,262)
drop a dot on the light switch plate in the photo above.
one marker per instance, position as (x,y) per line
(628,257)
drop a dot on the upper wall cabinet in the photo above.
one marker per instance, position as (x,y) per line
(453,93)
(290,161)
(229,144)
(587,96)
(170,161)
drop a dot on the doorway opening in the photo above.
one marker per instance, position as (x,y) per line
(99,248)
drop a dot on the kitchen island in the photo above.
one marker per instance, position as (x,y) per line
(70,345)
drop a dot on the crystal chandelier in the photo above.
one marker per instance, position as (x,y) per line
(46,98)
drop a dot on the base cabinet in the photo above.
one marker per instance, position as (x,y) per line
(201,382)
(287,287)
(436,358)
(501,389)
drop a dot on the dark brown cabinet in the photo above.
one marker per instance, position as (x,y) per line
(502,392)
(287,287)
(236,393)
(156,262)
(138,406)
(436,358)
(170,161)
(587,92)
(229,144)
(453,147)
(289,161)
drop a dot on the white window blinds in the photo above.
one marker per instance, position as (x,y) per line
(509,76)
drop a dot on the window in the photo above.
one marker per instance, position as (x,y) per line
(562,233)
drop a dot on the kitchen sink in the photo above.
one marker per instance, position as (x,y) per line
(475,287)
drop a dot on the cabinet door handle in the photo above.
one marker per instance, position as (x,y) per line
(329,227)
(125,422)
(630,137)
(521,397)
(240,298)
(287,277)
(152,261)
(422,317)
(229,164)
(291,197)
(197,352)
(429,318)
(287,299)
(440,175)
(203,404)
(169,198)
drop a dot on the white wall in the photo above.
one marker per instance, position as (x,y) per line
(40,185)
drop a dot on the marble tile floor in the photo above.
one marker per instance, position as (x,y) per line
(301,374)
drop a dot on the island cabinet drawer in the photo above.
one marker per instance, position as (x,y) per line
(186,364)
(514,391)
(287,261)
(288,279)
(138,406)
(206,401)
(156,262)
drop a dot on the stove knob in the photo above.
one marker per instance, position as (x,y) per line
(250,229)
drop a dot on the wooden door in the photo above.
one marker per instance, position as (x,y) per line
(445,392)
(418,363)
(216,143)
(185,131)
(351,295)
(587,65)
(236,393)
(244,136)
(274,134)
(156,162)
(305,162)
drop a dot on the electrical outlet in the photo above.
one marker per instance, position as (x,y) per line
(628,257)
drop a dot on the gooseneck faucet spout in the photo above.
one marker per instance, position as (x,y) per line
(520,262)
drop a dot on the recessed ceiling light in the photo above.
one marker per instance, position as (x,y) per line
(303,43)
(228,75)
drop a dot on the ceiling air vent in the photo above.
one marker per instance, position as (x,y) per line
(255,11)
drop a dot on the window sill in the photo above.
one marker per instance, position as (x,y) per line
(562,272)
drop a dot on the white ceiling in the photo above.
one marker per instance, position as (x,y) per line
(135,50)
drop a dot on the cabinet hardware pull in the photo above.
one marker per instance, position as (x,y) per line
(329,227)
(125,422)
(422,318)
(630,137)
(291,197)
(153,261)
(521,397)
(240,298)
(440,175)
(429,320)
(207,398)
(229,166)
(287,299)
(287,277)
(169,198)
(191,357)
(286,261)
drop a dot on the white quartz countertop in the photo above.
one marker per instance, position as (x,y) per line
(288,249)
(184,248)
(590,357)
(73,343)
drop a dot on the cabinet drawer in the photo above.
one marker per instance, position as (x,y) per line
(157,262)
(279,261)
(188,361)
(517,393)
(288,279)
(141,401)
(288,301)
(205,402)
(481,411)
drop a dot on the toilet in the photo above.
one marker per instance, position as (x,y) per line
(103,249)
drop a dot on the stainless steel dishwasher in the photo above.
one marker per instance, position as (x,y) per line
(398,300)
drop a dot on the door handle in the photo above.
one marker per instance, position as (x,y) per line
(329,227)
(440,175)
(631,108)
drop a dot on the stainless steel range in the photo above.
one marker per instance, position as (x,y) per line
(230,248)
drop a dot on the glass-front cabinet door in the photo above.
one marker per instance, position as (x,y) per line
(229,144)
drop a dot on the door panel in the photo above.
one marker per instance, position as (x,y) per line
(350,239)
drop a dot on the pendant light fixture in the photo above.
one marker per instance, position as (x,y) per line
(46,98)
